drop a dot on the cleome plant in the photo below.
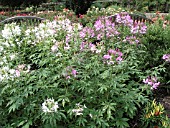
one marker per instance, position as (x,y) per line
(63,74)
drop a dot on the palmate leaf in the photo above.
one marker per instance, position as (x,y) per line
(105,74)
(12,108)
(25,124)
(102,88)
(122,123)
(15,104)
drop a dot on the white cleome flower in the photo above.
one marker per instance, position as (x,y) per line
(28,32)
(77,26)
(6,33)
(12,71)
(17,30)
(50,106)
(54,48)
(1,48)
(79,109)
(12,56)
(7,73)
(11,30)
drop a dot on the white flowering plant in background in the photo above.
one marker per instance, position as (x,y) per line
(11,30)
(49,73)
(49,105)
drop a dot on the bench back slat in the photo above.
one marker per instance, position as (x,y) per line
(21,18)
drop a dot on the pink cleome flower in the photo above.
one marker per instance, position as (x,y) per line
(70,72)
(116,54)
(152,81)
(17,72)
(107,57)
(166,57)
(74,72)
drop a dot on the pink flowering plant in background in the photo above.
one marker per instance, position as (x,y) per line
(135,27)
(131,40)
(166,57)
(62,74)
(152,81)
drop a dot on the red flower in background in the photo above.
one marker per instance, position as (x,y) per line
(81,16)
(21,14)
(70,14)
(65,9)
(2,13)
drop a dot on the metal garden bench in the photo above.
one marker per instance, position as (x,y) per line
(20,19)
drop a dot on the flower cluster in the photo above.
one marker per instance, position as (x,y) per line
(50,105)
(96,48)
(124,18)
(135,27)
(69,29)
(138,27)
(79,109)
(166,57)
(55,47)
(11,30)
(92,47)
(112,56)
(131,40)
(87,33)
(152,81)
(2,12)
(95,11)
(70,72)
(44,30)
(105,27)
(102,27)
(22,68)
(6,72)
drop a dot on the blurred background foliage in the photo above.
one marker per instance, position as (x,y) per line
(81,6)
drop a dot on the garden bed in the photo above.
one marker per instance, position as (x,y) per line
(95,72)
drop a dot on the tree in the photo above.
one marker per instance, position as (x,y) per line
(18,3)
(79,6)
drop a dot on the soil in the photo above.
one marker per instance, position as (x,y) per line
(163,96)
(166,103)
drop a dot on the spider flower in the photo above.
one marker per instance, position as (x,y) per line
(152,81)
(166,57)
(50,105)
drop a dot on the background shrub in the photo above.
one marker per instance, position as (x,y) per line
(157,43)
(79,6)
